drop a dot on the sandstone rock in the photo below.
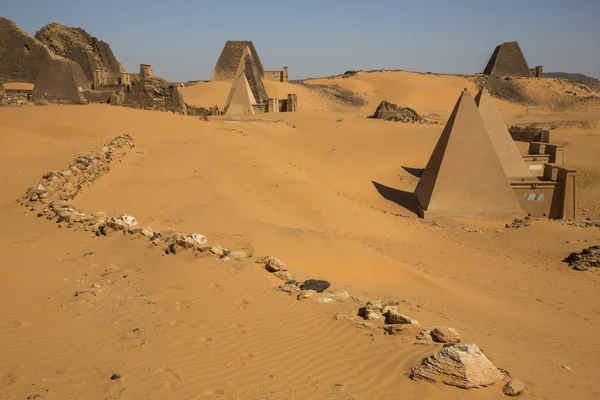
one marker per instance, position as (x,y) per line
(190,240)
(315,284)
(239,254)
(288,288)
(442,334)
(122,222)
(513,388)
(263,259)
(461,365)
(393,329)
(274,265)
(305,294)
(324,300)
(147,232)
(218,250)
(334,296)
(376,309)
(283,275)
(393,317)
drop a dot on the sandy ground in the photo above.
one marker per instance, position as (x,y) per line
(324,189)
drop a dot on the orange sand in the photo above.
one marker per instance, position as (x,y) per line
(309,188)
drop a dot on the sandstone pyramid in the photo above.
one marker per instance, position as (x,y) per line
(21,56)
(464,176)
(61,80)
(78,45)
(230,57)
(507,60)
(506,148)
(240,98)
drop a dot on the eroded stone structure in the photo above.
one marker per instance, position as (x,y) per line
(508,60)
(61,81)
(230,57)
(21,56)
(89,52)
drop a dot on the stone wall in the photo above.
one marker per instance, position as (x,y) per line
(78,45)
(21,56)
(230,57)
(507,60)
(154,93)
(61,81)
(529,134)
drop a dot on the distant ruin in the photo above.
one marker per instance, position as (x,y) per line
(62,81)
(476,171)
(508,60)
(277,76)
(230,57)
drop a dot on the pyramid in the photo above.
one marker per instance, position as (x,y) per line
(507,60)
(506,148)
(228,61)
(464,176)
(240,98)
(249,67)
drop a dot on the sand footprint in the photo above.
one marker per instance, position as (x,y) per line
(182,305)
(241,304)
(203,342)
(240,360)
(237,329)
(215,287)
(169,379)
(181,324)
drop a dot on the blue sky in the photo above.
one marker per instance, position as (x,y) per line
(183,39)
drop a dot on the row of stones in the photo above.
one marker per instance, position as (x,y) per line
(56,188)
(449,365)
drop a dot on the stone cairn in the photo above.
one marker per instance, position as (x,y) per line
(462,365)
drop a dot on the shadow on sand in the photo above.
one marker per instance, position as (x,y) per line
(400,197)
(417,172)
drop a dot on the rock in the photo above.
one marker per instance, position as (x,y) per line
(288,288)
(324,300)
(115,376)
(283,275)
(391,112)
(263,260)
(315,284)
(334,296)
(586,259)
(461,365)
(147,232)
(393,317)
(121,222)
(305,294)
(239,254)
(513,388)
(274,265)
(376,309)
(218,250)
(190,240)
(442,334)
(393,329)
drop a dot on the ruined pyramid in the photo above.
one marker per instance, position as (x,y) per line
(230,57)
(464,176)
(506,148)
(240,98)
(507,60)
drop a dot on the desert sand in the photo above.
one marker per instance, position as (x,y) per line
(325,189)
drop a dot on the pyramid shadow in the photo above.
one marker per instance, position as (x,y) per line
(417,172)
(404,199)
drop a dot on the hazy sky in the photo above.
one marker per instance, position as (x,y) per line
(183,39)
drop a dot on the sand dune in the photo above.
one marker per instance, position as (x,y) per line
(325,190)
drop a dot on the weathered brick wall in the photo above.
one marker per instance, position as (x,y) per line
(255,81)
(155,94)
(21,56)
(229,60)
(62,81)
(507,60)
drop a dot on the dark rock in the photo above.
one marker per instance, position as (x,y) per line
(316,285)
(115,376)
(392,112)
